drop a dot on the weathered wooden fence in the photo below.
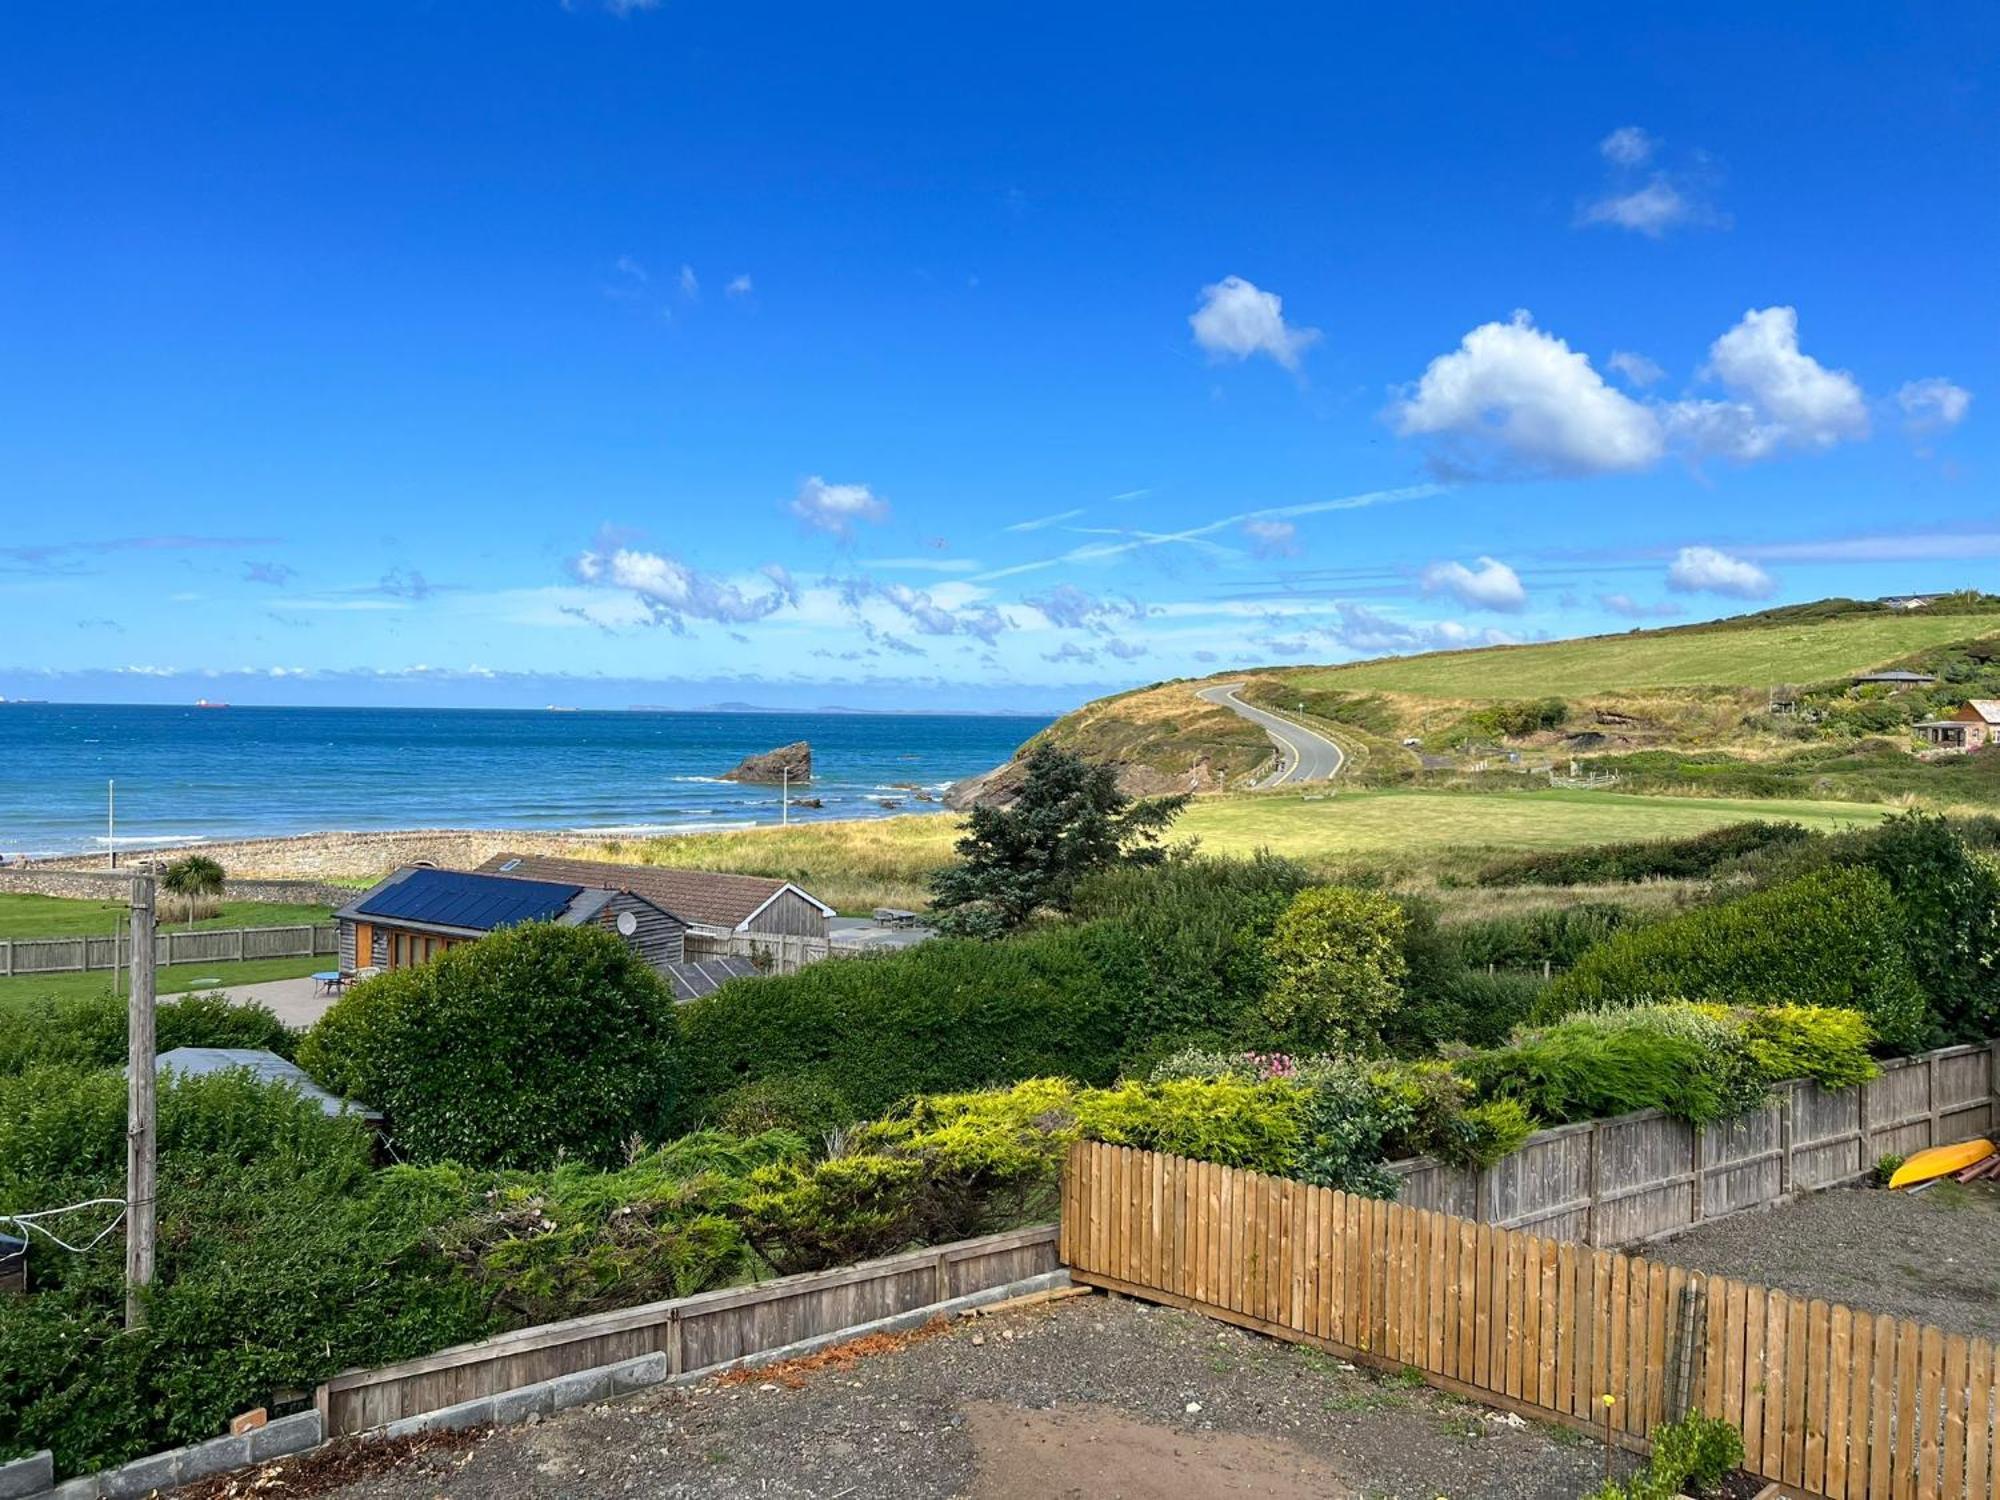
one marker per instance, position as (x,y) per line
(1631,1179)
(207,946)
(695,1333)
(773,952)
(1828,1399)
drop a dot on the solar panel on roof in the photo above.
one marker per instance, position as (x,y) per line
(479,903)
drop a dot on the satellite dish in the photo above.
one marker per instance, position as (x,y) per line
(627,923)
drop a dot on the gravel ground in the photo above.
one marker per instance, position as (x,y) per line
(1934,1257)
(1090,1396)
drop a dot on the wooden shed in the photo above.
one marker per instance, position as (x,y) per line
(418,912)
(704,898)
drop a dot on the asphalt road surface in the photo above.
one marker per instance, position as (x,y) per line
(1303,754)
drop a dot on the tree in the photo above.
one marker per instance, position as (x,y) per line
(192,877)
(1337,968)
(1069,820)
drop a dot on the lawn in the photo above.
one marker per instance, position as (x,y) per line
(179,979)
(887,861)
(1801,653)
(26,916)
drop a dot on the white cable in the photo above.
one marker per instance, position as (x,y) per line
(30,1221)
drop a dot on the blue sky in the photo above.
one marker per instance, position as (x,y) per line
(968,356)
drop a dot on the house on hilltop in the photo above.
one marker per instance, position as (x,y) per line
(418,912)
(1971,727)
(707,901)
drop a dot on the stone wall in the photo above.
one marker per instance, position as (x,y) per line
(109,885)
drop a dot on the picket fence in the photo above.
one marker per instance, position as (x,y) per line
(208,946)
(1829,1400)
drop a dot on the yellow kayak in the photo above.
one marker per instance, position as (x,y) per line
(1940,1161)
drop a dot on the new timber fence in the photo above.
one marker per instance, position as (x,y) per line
(211,945)
(1828,1399)
(1637,1177)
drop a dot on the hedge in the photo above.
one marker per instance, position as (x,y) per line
(1692,857)
(950,1014)
(1834,939)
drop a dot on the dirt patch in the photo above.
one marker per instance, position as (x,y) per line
(1928,1257)
(1093,1396)
(1092,1450)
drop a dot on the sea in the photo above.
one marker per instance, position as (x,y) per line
(180,775)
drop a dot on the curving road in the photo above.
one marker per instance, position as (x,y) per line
(1303,754)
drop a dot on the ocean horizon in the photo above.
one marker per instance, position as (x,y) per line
(186,775)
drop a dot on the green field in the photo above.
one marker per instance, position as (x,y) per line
(1749,657)
(179,979)
(26,916)
(1362,823)
(886,861)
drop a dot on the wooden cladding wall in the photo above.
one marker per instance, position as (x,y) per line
(1628,1180)
(695,1333)
(1829,1400)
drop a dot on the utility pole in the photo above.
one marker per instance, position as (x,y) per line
(785,815)
(111,824)
(141,1144)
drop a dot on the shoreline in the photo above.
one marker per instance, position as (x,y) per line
(335,854)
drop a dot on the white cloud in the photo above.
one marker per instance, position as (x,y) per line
(1369,632)
(1783,397)
(1760,359)
(1272,538)
(627,266)
(1650,210)
(674,593)
(1512,400)
(1705,570)
(690,283)
(1627,146)
(1633,609)
(1236,320)
(739,286)
(1492,585)
(836,508)
(1068,607)
(1040,522)
(1636,368)
(1933,404)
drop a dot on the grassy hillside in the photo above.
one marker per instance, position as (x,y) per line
(1753,657)
(1654,706)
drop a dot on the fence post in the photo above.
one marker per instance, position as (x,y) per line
(1785,1129)
(7,950)
(1596,1180)
(239,944)
(1937,1109)
(1700,1173)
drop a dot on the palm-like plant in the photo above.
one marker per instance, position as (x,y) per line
(193,877)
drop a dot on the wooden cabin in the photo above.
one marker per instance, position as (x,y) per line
(707,900)
(418,912)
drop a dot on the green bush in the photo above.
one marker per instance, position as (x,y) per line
(801,1102)
(1830,939)
(948,1015)
(555,1245)
(89,1030)
(1193,931)
(1692,857)
(538,1042)
(1336,967)
(1674,1058)
(1694,1454)
(265,1203)
(1557,935)
(1804,1041)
